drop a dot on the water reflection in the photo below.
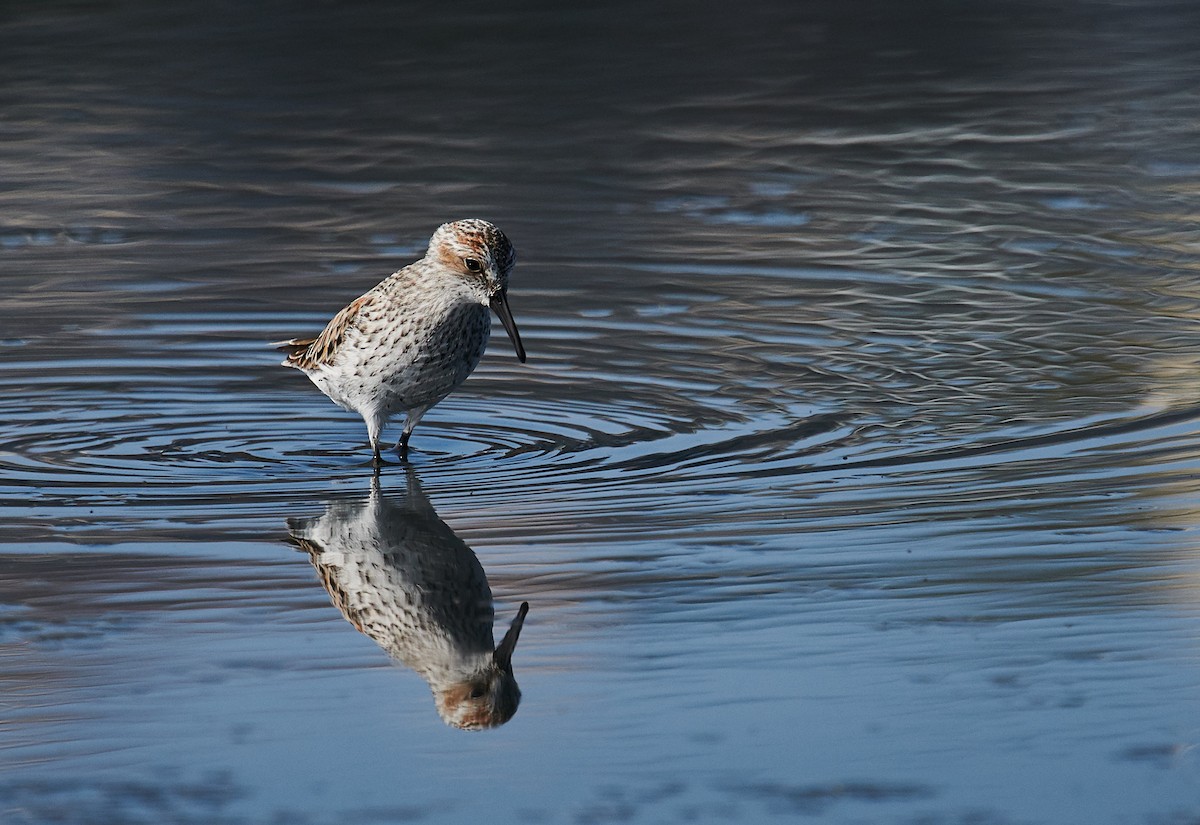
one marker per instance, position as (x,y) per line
(399,574)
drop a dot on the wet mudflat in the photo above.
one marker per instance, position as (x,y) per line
(853,476)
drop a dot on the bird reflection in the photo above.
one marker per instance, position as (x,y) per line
(401,576)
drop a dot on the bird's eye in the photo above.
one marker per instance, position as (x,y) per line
(477,691)
(473,264)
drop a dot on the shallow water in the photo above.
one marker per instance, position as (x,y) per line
(852,478)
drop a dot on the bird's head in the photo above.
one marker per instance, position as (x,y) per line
(480,254)
(490,697)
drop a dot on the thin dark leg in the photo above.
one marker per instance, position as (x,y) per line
(374,425)
(402,447)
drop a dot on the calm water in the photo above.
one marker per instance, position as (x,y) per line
(854,475)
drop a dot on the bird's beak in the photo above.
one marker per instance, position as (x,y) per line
(504,650)
(499,306)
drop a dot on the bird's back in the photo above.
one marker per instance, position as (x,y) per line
(405,344)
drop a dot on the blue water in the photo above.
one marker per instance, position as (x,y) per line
(852,478)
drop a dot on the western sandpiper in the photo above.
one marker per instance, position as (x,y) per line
(413,339)
(399,574)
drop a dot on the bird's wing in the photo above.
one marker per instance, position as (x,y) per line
(308,353)
(328,574)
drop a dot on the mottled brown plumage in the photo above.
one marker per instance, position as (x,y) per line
(401,576)
(416,336)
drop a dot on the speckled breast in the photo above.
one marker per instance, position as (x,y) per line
(446,351)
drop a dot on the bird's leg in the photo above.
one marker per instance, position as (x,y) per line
(374,426)
(410,421)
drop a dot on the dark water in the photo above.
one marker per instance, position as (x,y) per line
(854,475)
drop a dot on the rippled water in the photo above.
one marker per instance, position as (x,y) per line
(853,475)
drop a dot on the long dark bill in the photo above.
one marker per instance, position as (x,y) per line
(500,307)
(504,650)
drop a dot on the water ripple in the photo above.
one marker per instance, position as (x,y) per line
(190,411)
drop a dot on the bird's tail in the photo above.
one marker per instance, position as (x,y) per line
(293,346)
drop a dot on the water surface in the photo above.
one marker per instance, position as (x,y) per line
(852,478)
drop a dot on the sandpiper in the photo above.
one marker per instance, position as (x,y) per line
(413,339)
(399,574)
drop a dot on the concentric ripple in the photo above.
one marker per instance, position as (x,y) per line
(640,416)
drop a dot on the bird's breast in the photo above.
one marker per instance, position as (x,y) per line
(419,356)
